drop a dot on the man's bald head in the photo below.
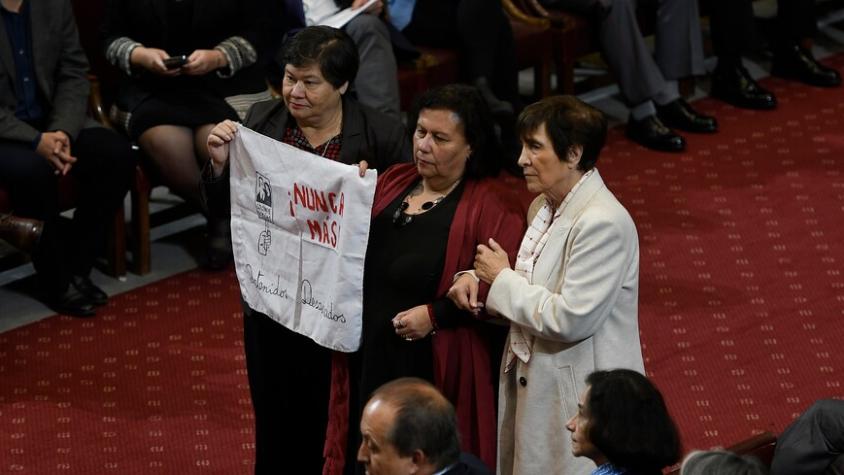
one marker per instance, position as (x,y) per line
(423,420)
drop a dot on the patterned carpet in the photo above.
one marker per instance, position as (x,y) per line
(155,384)
(742,294)
(741,301)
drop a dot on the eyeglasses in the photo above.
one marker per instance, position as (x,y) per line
(400,219)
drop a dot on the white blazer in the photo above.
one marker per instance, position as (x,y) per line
(582,308)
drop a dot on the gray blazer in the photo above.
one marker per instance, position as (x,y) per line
(60,70)
(582,308)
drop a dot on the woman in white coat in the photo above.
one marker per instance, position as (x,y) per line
(572,299)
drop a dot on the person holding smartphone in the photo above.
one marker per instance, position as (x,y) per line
(188,65)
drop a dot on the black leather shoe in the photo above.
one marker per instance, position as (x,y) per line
(72,302)
(22,233)
(87,288)
(650,132)
(678,114)
(735,86)
(797,63)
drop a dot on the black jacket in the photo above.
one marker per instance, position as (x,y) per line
(367,135)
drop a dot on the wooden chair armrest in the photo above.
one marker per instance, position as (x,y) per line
(425,61)
(556,17)
(275,91)
(518,14)
(761,445)
(95,103)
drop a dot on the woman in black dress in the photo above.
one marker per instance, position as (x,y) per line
(188,65)
(428,218)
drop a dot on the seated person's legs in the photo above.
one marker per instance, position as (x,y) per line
(489,48)
(177,151)
(732,27)
(33,188)
(376,84)
(793,59)
(649,86)
(482,32)
(172,151)
(104,172)
(63,256)
(178,154)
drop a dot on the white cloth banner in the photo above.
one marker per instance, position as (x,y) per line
(300,226)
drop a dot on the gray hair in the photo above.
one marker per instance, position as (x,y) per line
(721,462)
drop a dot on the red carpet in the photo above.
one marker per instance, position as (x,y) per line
(155,384)
(741,299)
(742,294)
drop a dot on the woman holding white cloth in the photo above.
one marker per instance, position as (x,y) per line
(572,299)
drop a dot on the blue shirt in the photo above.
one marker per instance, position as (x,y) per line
(28,107)
(608,469)
(401,12)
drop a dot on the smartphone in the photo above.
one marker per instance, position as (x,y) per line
(174,62)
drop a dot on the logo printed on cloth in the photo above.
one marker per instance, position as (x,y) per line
(264,207)
(310,220)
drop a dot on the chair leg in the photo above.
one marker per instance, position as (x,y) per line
(686,86)
(542,79)
(565,77)
(140,224)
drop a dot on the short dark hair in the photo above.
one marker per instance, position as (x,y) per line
(478,124)
(425,421)
(629,422)
(329,48)
(568,122)
(720,462)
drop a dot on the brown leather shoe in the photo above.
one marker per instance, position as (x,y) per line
(23,233)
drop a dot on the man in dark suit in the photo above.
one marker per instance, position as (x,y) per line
(44,135)
(409,427)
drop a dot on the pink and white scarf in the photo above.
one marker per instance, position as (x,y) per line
(521,342)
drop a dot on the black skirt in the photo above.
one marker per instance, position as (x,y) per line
(179,106)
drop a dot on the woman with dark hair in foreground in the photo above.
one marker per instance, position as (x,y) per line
(623,425)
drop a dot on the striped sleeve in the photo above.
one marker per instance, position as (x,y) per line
(239,54)
(119,51)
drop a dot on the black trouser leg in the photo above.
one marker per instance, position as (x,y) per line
(33,190)
(731,24)
(289,380)
(796,20)
(103,173)
(482,30)
(488,46)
